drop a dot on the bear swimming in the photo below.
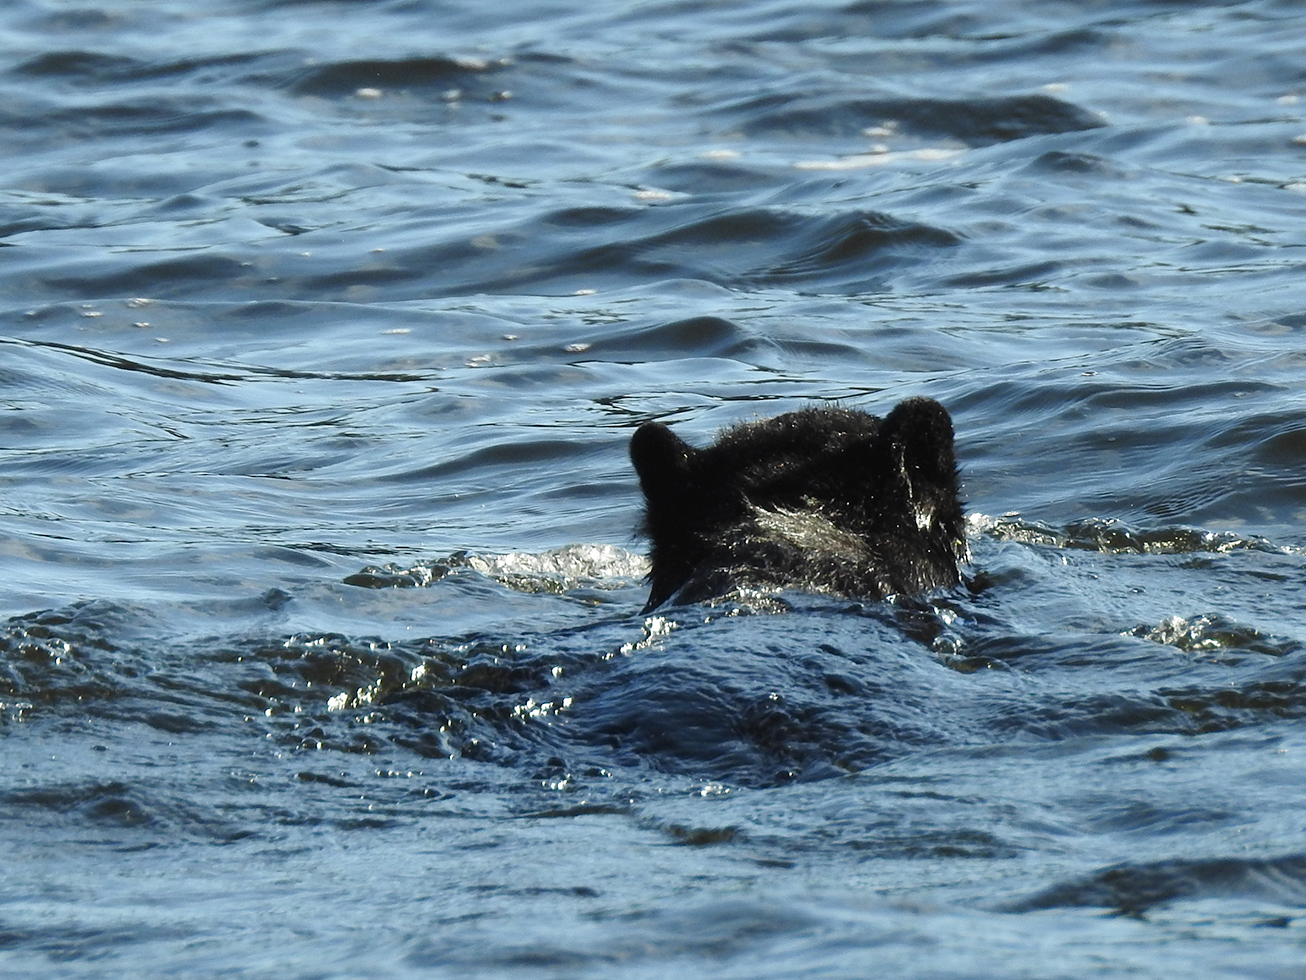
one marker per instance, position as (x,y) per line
(823,500)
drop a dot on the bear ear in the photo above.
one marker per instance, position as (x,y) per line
(661,459)
(922,429)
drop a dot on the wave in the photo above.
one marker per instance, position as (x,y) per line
(738,247)
(450,76)
(973,122)
(1113,537)
(557,571)
(1134,889)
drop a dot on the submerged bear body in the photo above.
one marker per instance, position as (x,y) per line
(823,500)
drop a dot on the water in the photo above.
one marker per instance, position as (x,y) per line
(325,327)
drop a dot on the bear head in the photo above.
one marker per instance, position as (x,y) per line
(823,499)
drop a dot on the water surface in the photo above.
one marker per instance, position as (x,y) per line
(323,331)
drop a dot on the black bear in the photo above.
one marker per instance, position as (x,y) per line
(823,500)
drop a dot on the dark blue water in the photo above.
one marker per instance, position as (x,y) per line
(323,331)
